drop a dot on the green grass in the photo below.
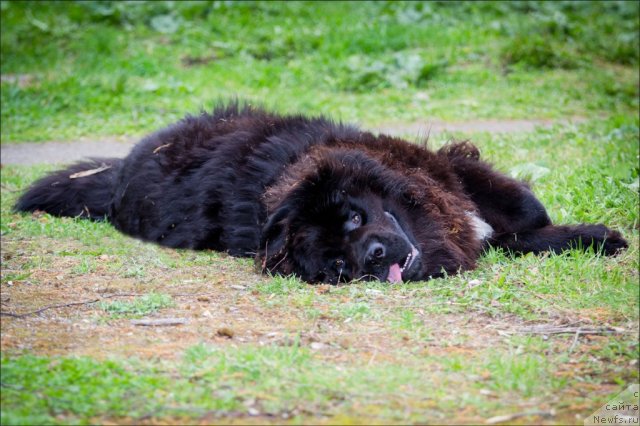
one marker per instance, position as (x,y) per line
(358,61)
(39,389)
(138,307)
(280,285)
(281,383)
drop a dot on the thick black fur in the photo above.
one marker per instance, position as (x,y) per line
(306,196)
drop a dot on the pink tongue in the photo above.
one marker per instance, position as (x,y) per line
(395,276)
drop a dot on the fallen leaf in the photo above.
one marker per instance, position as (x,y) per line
(86,173)
(225,332)
(155,151)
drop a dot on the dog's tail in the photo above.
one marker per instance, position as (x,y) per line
(84,189)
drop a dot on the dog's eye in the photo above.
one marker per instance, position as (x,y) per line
(354,221)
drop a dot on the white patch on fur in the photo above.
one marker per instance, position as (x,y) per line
(482,229)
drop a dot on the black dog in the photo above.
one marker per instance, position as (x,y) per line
(306,196)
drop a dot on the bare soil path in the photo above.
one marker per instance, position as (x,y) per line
(68,152)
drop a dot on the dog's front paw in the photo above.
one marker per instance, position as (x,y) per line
(604,240)
(613,243)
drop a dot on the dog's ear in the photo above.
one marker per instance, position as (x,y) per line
(272,254)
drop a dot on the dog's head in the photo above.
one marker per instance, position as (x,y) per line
(341,215)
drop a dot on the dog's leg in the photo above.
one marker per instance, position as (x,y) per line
(559,238)
(504,203)
(519,220)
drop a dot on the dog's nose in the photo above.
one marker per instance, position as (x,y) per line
(376,252)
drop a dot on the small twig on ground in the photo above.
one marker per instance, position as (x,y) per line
(89,302)
(553,329)
(509,417)
(86,302)
(375,352)
(575,340)
(161,322)
(211,293)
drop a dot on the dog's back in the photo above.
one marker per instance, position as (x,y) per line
(196,184)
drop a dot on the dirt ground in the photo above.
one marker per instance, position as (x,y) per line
(220,309)
(222,315)
(57,312)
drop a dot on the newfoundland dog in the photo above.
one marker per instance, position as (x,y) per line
(324,201)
